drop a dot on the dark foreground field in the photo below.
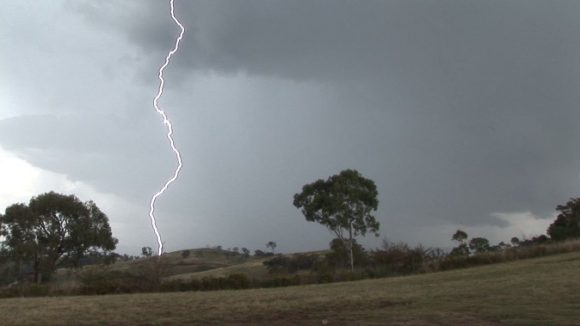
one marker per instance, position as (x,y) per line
(544,291)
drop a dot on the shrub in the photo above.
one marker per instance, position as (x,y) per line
(8,272)
(281,281)
(277,264)
(212,283)
(195,284)
(292,264)
(26,290)
(398,258)
(460,250)
(209,283)
(176,285)
(238,281)
(101,280)
(338,257)
(304,261)
(325,277)
(260,253)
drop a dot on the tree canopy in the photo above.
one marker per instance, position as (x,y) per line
(272,245)
(344,203)
(53,229)
(460,236)
(567,223)
(479,245)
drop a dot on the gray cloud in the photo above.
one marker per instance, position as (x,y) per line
(457,109)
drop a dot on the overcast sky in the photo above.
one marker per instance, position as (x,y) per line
(465,114)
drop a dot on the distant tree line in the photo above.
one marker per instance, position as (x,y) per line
(344,203)
(565,227)
(55,230)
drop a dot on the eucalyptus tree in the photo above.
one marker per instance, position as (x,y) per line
(54,229)
(344,203)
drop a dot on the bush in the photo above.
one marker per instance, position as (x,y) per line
(195,284)
(26,290)
(8,273)
(238,281)
(398,258)
(325,277)
(176,285)
(277,264)
(338,257)
(260,253)
(231,282)
(101,280)
(303,262)
(291,264)
(281,281)
(212,283)
(542,247)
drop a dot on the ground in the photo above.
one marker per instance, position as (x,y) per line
(542,291)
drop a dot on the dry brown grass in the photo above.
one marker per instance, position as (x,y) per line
(543,291)
(253,268)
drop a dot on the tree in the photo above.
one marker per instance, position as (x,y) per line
(479,245)
(146,251)
(515,241)
(260,253)
(462,249)
(54,229)
(539,239)
(567,223)
(500,246)
(272,245)
(344,204)
(246,252)
(460,236)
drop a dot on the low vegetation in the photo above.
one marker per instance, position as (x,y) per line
(36,263)
(152,274)
(542,291)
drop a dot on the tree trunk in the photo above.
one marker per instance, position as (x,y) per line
(350,248)
(20,277)
(36,269)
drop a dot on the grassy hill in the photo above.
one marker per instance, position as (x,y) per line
(176,264)
(253,267)
(541,291)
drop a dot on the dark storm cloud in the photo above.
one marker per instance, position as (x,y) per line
(104,150)
(457,109)
(486,92)
(372,39)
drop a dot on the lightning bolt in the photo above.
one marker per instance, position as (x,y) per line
(167,123)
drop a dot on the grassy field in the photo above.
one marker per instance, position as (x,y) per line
(253,267)
(198,260)
(174,264)
(542,291)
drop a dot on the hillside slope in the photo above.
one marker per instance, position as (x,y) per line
(543,291)
(195,260)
